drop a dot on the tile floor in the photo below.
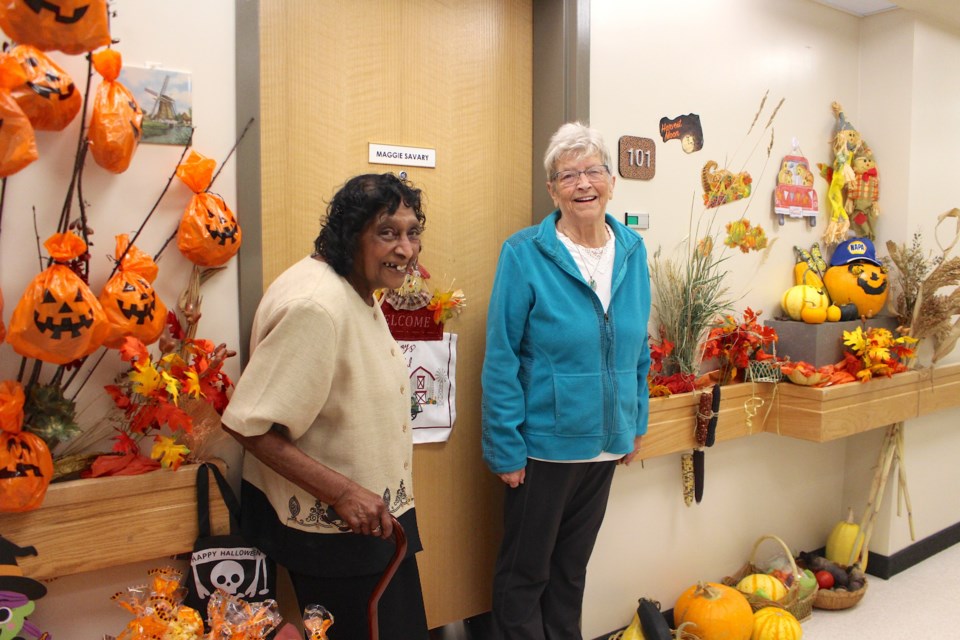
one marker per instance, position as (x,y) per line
(920,602)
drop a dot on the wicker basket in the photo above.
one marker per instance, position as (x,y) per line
(839,599)
(801,608)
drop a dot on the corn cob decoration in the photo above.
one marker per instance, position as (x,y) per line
(686,470)
(704,413)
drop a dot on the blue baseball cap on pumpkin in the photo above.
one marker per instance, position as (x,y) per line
(852,250)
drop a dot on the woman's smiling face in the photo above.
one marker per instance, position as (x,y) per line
(386,248)
(585,200)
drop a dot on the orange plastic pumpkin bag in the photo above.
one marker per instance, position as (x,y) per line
(116,123)
(71,26)
(49,98)
(132,306)
(209,234)
(18,144)
(26,466)
(58,319)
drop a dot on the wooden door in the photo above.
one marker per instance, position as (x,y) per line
(451,76)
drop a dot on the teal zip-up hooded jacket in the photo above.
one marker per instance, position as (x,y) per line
(562,380)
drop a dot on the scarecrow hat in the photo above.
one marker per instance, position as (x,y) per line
(11,577)
(853,250)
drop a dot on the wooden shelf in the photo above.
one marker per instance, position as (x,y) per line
(829,413)
(85,525)
(672,419)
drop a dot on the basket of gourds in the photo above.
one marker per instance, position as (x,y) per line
(777,584)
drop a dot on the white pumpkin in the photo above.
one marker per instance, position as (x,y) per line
(802,295)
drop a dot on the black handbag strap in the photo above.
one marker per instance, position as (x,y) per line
(203,500)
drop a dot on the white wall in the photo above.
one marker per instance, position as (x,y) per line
(717,59)
(197,37)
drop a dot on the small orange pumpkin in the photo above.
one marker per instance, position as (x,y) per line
(718,611)
(26,466)
(861,283)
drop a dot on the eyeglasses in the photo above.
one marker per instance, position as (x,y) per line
(595,174)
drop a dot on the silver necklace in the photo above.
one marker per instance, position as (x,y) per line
(595,252)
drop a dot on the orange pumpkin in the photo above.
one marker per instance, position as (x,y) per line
(116,124)
(49,98)
(209,234)
(26,466)
(861,283)
(718,611)
(58,319)
(129,300)
(71,26)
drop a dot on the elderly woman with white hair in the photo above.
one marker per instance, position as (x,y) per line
(564,378)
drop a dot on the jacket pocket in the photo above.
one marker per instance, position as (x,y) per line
(627,401)
(579,403)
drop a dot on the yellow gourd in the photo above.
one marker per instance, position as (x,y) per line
(774,623)
(845,542)
(802,295)
(833,313)
(634,631)
(763,585)
(804,274)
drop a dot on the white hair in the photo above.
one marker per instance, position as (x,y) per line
(574,138)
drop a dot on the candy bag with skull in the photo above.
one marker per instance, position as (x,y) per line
(58,319)
(129,300)
(116,123)
(49,98)
(71,26)
(209,234)
(18,144)
(26,466)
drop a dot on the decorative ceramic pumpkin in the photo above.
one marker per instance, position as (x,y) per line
(71,26)
(802,295)
(774,623)
(49,98)
(718,611)
(861,283)
(58,319)
(763,585)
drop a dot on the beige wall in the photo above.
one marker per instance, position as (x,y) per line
(656,59)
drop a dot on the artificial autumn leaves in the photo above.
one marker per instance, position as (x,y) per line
(37,94)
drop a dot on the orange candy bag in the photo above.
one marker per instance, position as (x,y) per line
(18,144)
(58,318)
(26,466)
(71,26)
(132,306)
(209,234)
(116,123)
(49,98)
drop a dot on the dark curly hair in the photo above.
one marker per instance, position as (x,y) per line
(353,207)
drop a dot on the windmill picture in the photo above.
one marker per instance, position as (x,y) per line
(166,99)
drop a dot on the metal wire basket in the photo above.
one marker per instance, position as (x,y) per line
(764,371)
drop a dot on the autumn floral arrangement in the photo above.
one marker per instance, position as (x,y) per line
(734,344)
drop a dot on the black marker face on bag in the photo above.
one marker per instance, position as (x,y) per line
(138,303)
(221,225)
(63,13)
(56,317)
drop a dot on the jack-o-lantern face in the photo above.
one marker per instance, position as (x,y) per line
(137,304)
(71,26)
(862,283)
(26,468)
(49,98)
(209,233)
(54,316)
(129,300)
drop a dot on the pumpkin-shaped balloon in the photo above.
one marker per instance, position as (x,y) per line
(71,26)
(861,283)
(718,611)
(18,144)
(774,623)
(209,234)
(129,299)
(49,97)
(26,466)
(116,123)
(58,318)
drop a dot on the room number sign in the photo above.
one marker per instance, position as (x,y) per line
(638,158)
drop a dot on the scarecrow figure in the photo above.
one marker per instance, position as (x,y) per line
(17,593)
(846,143)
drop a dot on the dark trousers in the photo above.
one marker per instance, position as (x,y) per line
(550,525)
(400,613)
